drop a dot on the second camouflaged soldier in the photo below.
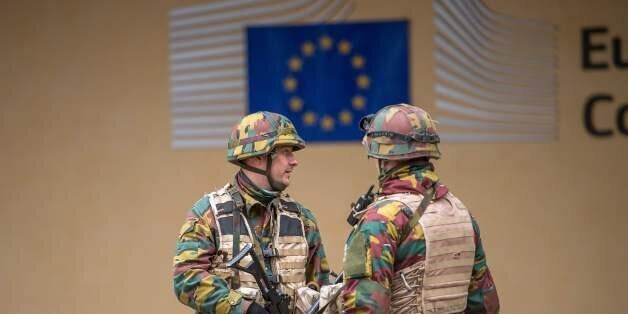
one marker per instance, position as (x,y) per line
(284,232)
(416,248)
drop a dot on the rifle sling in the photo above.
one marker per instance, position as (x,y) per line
(425,202)
(238,205)
(235,282)
(237,224)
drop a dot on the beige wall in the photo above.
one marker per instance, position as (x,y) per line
(92,196)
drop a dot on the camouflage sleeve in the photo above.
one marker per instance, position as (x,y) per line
(482,293)
(194,285)
(370,258)
(317,268)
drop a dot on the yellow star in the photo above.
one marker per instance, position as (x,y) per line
(296,104)
(309,118)
(290,84)
(345,117)
(344,47)
(327,123)
(358,62)
(358,102)
(295,64)
(325,42)
(363,81)
(307,48)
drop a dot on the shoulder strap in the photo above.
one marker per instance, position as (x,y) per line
(239,203)
(427,199)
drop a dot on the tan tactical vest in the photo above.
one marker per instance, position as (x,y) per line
(440,284)
(289,249)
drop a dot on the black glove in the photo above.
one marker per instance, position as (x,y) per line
(256,308)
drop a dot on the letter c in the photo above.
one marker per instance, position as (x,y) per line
(621,119)
(588,115)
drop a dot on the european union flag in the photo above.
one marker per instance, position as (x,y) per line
(325,77)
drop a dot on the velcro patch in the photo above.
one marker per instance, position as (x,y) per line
(357,263)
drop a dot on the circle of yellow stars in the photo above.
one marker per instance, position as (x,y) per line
(295,64)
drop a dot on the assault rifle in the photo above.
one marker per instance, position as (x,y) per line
(276,302)
(359,206)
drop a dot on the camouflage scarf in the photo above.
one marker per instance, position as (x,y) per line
(412,177)
(247,186)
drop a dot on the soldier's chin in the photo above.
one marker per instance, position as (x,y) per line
(282,184)
(285,183)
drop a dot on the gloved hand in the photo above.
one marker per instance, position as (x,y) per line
(256,308)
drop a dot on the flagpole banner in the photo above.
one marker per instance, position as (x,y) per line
(325,77)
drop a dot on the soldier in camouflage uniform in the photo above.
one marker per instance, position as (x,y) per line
(416,248)
(254,206)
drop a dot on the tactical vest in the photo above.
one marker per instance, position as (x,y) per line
(288,252)
(440,283)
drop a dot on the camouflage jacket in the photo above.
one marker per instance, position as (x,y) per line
(375,249)
(194,283)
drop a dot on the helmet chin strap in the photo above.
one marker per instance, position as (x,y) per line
(244,165)
(380,166)
(380,169)
(274,185)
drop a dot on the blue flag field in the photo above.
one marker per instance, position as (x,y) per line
(325,77)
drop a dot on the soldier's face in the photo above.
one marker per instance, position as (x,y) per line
(284,163)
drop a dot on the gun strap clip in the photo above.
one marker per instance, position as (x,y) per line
(269,252)
(273,279)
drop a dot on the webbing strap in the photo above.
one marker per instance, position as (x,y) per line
(238,204)
(257,250)
(235,282)
(250,168)
(427,198)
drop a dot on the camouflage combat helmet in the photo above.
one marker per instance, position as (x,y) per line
(400,132)
(259,133)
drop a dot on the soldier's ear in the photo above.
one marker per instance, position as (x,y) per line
(261,160)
